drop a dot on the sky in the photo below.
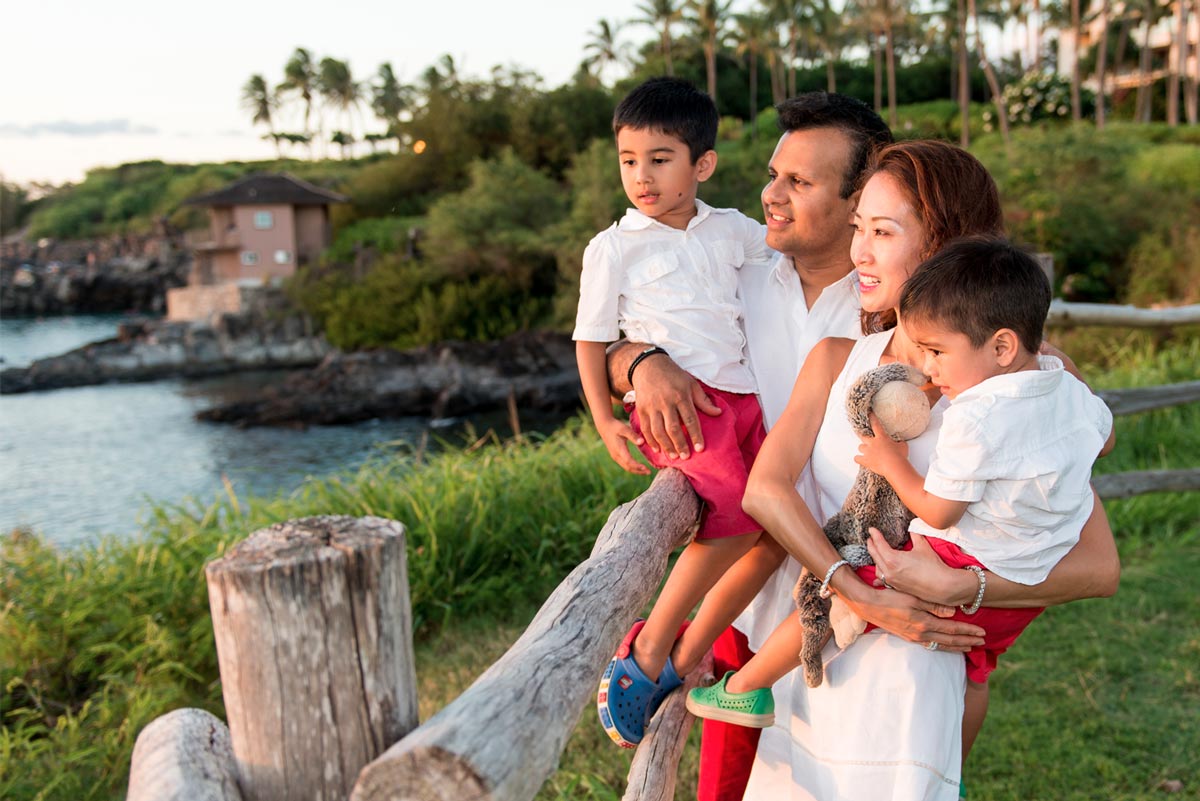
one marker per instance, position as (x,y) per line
(85,84)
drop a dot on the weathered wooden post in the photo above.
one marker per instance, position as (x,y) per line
(314,641)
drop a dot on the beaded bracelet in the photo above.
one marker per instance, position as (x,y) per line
(647,352)
(825,592)
(973,608)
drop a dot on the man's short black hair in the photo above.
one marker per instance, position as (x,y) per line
(866,130)
(674,107)
(978,285)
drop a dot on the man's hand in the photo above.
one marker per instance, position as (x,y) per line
(920,572)
(667,402)
(881,454)
(616,433)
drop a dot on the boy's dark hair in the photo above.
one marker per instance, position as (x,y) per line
(674,107)
(866,130)
(978,285)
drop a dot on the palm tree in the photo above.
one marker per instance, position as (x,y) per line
(662,14)
(788,14)
(829,32)
(1191,93)
(338,88)
(708,17)
(261,102)
(602,47)
(989,73)
(1143,105)
(1102,64)
(753,32)
(389,97)
(300,76)
(1176,70)
(1076,34)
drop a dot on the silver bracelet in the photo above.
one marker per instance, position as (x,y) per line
(825,592)
(973,608)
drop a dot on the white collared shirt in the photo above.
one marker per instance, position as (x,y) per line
(781,329)
(1019,447)
(677,289)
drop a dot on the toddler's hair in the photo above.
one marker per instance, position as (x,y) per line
(674,107)
(978,285)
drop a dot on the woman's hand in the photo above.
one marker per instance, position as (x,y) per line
(910,618)
(920,572)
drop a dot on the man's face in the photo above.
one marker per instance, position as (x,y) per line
(806,218)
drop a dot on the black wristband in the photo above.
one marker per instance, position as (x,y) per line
(638,360)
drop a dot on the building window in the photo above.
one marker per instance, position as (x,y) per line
(283,257)
(249,258)
(264,220)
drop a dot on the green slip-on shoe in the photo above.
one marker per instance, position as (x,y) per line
(754,710)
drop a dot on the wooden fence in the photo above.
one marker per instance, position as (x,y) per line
(314,641)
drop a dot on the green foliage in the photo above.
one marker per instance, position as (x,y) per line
(553,127)
(1089,197)
(15,207)
(597,201)
(488,271)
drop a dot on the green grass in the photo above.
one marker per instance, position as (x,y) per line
(1099,700)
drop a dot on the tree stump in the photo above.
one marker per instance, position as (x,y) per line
(314,640)
(184,755)
(502,738)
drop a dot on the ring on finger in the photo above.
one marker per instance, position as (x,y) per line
(931,646)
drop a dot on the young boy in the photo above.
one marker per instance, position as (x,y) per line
(1008,483)
(666,275)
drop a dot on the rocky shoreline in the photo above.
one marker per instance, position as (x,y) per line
(154,349)
(534,370)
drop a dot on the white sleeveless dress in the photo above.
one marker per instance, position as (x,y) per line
(886,723)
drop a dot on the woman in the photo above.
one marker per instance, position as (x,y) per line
(886,722)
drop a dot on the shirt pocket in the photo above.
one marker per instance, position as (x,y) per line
(657,277)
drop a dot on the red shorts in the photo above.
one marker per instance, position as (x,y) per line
(719,472)
(1001,626)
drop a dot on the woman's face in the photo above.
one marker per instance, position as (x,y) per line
(888,243)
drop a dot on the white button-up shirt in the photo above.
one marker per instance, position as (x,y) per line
(677,289)
(781,329)
(1019,447)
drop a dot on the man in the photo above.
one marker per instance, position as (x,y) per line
(810,292)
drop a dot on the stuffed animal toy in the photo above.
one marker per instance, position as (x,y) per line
(893,392)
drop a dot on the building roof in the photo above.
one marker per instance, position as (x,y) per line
(273,188)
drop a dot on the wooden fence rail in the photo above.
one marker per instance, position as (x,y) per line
(1067,314)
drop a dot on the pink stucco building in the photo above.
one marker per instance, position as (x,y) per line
(261,228)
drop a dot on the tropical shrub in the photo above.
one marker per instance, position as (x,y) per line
(1038,97)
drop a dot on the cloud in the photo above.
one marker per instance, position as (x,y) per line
(121,127)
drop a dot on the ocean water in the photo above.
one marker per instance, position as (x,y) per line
(78,463)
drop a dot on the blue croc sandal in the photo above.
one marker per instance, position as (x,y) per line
(627,698)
